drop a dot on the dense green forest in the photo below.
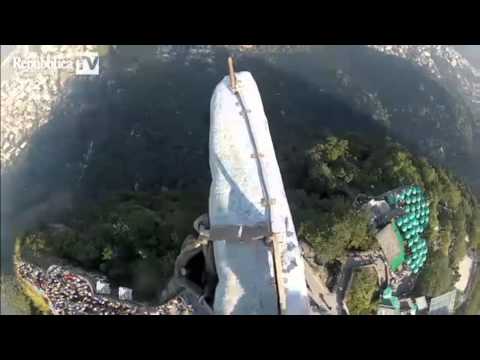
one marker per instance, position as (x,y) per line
(337,170)
(135,236)
(126,131)
(423,113)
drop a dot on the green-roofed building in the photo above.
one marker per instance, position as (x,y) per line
(388,292)
(410,216)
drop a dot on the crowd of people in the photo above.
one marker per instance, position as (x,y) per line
(71,294)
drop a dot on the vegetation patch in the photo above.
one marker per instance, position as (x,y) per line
(133,238)
(38,301)
(337,170)
(362,298)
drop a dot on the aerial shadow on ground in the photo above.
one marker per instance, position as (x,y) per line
(426,116)
(143,124)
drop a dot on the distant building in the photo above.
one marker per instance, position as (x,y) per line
(407,307)
(388,236)
(440,305)
(443,304)
(387,310)
(382,212)
(422,304)
(400,217)
(378,207)
(103,287)
(392,305)
(125,293)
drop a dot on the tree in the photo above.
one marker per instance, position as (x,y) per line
(474,228)
(436,277)
(362,297)
(107,253)
(459,245)
(458,251)
(331,236)
(360,238)
(86,253)
(453,197)
(133,238)
(330,165)
(401,169)
(329,151)
(428,173)
(327,247)
(445,238)
(37,243)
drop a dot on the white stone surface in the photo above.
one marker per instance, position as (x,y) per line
(464,268)
(246,282)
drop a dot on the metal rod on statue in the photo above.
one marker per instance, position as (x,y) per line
(277,252)
(231,72)
(275,239)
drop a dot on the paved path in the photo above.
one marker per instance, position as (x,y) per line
(319,292)
(474,273)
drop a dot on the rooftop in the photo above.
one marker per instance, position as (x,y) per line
(443,304)
(386,310)
(421,303)
(391,242)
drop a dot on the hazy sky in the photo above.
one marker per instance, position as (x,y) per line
(471,52)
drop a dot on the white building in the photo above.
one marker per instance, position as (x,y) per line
(422,304)
(443,304)
(124,293)
(103,287)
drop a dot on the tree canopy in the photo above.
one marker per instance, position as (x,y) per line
(363,294)
(133,238)
(340,169)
